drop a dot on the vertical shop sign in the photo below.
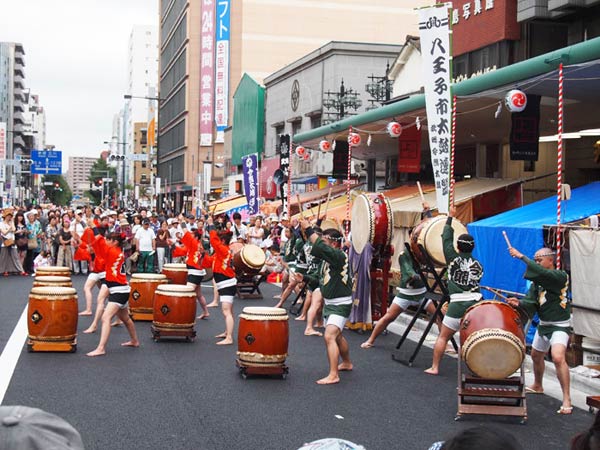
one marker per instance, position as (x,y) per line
(222,68)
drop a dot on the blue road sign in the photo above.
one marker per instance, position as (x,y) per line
(46,162)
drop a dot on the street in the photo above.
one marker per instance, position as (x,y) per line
(179,395)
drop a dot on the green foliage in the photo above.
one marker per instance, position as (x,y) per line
(101,169)
(60,192)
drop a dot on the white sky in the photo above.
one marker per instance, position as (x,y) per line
(76,61)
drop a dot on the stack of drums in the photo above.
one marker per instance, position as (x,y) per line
(176,273)
(263,337)
(52,280)
(52,319)
(58,271)
(174,312)
(249,260)
(141,297)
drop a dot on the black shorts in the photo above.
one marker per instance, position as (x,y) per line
(118,293)
(225,285)
(195,276)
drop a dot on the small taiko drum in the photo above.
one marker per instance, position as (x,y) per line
(250,259)
(52,319)
(492,339)
(52,281)
(263,336)
(57,271)
(141,296)
(372,221)
(176,273)
(174,312)
(428,234)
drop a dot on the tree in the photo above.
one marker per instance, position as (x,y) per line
(59,191)
(101,169)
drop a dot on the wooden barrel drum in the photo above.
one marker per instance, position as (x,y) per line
(52,319)
(250,259)
(52,281)
(263,336)
(372,221)
(492,339)
(141,296)
(174,312)
(58,271)
(176,273)
(428,234)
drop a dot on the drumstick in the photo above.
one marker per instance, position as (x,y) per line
(327,204)
(319,210)
(495,292)
(421,192)
(506,239)
(300,206)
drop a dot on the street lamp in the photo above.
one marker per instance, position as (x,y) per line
(340,102)
(121,159)
(380,88)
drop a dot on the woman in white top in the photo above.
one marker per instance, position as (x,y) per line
(9,261)
(256,233)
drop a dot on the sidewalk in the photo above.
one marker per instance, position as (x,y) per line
(581,386)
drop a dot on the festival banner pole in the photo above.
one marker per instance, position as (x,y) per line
(347,228)
(559,167)
(452,151)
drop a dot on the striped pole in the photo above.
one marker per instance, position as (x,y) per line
(289,184)
(347,228)
(559,167)
(452,150)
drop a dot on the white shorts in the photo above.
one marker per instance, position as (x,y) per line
(338,321)
(96,276)
(120,305)
(451,322)
(543,344)
(404,303)
(226,299)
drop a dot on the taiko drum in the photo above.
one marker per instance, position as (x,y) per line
(250,259)
(263,337)
(492,339)
(176,273)
(58,271)
(52,319)
(52,281)
(174,312)
(141,296)
(372,221)
(428,234)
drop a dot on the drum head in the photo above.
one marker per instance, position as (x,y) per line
(263,310)
(53,269)
(362,226)
(148,277)
(431,237)
(52,279)
(493,353)
(175,288)
(54,291)
(253,256)
(174,266)
(235,247)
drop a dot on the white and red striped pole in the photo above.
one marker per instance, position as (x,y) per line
(559,167)
(452,150)
(349,174)
(289,184)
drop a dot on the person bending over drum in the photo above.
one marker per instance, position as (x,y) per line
(547,296)
(224,276)
(196,265)
(410,293)
(464,274)
(296,265)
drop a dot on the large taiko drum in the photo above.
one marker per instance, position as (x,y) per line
(372,221)
(52,319)
(492,339)
(176,273)
(58,271)
(174,312)
(263,336)
(250,259)
(428,234)
(52,281)
(141,296)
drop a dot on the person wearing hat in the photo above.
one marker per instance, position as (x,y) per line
(9,259)
(464,275)
(145,243)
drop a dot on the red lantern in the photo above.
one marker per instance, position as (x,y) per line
(394,129)
(354,139)
(515,100)
(300,151)
(306,156)
(325,146)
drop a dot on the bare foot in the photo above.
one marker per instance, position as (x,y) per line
(278,305)
(277,296)
(212,305)
(300,318)
(203,316)
(90,330)
(534,389)
(130,344)
(431,371)
(366,344)
(116,323)
(319,325)
(225,342)
(85,313)
(345,367)
(312,332)
(96,353)
(328,380)
(221,336)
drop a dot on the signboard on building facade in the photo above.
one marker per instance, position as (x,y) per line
(435,48)
(525,131)
(250,168)
(340,160)
(268,188)
(222,68)
(409,150)
(284,165)
(207,71)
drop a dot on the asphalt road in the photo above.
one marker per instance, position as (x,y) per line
(180,395)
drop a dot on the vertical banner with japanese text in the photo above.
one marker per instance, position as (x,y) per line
(207,72)
(250,166)
(222,68)
(435,32)
(284,165)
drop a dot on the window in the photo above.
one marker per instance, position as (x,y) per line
(296,126)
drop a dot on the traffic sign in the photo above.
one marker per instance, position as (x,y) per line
(47,162)
(48,183)
(9,162)
(107,180)
(138,157)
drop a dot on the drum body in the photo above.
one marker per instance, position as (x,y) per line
(492,339)
(263,336)
(429,235)
(58,271)
(372,221)
(141,296)
(52,281)
(174,311)
(176,273)
(52,319)
(250,259)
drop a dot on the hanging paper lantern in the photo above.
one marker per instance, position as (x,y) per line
(300,151)
(394,129)
(306,156)
(325,146)
(354,139)
(515,100)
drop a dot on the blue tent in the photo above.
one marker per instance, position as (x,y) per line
(524,229)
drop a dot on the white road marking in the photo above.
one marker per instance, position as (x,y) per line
(11,353)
